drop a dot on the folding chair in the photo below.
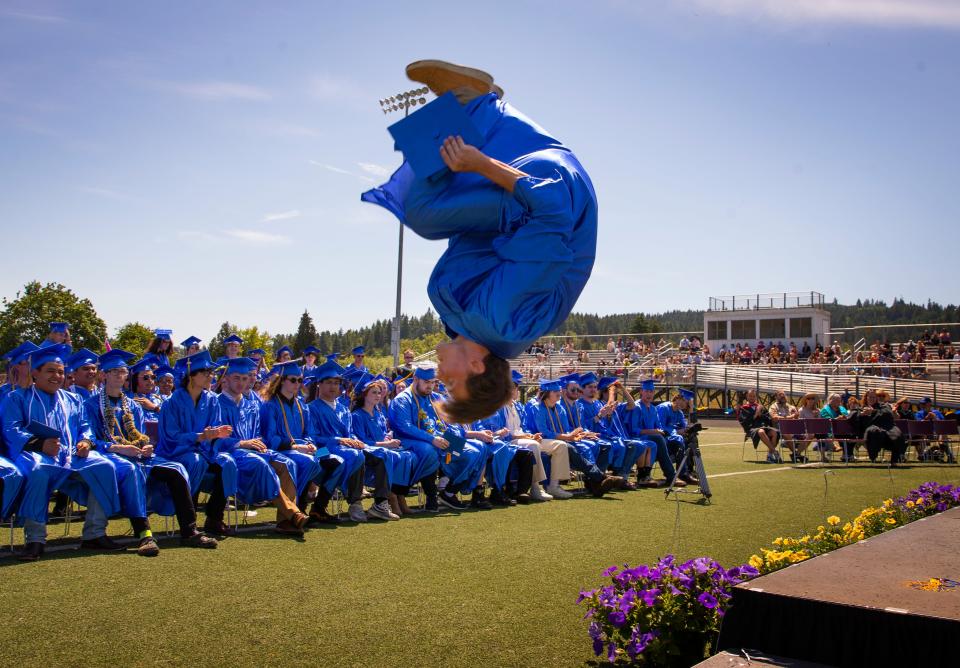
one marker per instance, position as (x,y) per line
(904,427)
(844,434)
(792,431)
(152,430)
(945,429)
(819,428)
(921,434)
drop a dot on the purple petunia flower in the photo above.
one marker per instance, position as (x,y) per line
(617,618)
(611,652)
(649,596)
(707,601)
(597,646)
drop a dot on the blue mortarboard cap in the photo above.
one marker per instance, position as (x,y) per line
(569,378)
(256,351)
(59,352)
(22,352)
(311,350)
(283,349)
(606,382)
(588,378)
(361,383)
(81,358)
(163,371)
(241,365)
(146,363)
(332,357)
(190,341)
(359,350)
(287,369)
(233,338)
(926,400)
(547,385)
(10,354)
(327,370)
(425,373)
(516,376)
(386,380)
(649,385)
(163,334)
(421,134)
(115,359)
(686,394)
(60,327)
(195,362)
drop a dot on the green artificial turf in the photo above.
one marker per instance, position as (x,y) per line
(493,588)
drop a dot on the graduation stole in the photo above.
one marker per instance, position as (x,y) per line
(572,408)
(554,415)
(114,432)
(424,421)
(283,412)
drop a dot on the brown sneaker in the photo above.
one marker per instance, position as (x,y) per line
(288,528)
(148,547)
(199,540)
(441,76)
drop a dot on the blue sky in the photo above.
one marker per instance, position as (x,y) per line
(200,162)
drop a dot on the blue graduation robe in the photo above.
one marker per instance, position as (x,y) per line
(671,420)
(326,426)
(73,475)
(283,423)
(515,264)
(372,429)
(181,421)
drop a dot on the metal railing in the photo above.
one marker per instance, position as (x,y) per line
(766,301)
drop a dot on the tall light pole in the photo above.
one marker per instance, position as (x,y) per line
(400,102)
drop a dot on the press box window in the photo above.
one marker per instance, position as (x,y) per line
(773,328)
(717,330)
(744,329)
(801,327)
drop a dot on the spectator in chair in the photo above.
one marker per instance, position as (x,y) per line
(781,409)
(757,424)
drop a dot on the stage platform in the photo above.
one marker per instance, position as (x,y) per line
(861,605)
(731,660)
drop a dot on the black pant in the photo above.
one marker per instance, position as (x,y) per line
(876,439)
(429,484)
(375,465)
(524,459)
(218,500)
(180,494)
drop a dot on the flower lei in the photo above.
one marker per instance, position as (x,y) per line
(116,433)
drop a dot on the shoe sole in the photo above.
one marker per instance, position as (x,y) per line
(441,76)
(373,514)
(451,506)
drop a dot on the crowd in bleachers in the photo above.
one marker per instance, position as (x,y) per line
(129,438)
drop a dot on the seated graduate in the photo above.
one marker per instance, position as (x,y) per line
(231,347)
(590,446)
(18,368)
(414,419)
(602,417)
(504,455)
(283,354)
(642,421)
(509,423)
(284,428)
(674,423)
(310,354)
(357,365)
(47,436)
(161,347)
(83,365)
(143,387)
(330,426)
(531,213)
(369,424)
(146,481)
(59,333)
(259,474)
(191,424)
(165,382)
(191,345)
(550,421)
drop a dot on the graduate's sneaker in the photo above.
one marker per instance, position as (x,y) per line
(323,517)
(430,506)
(148,547)
(524,499)
(219,530)
(537,494)
(381,511)
(441,76)
(30,552)
(558,492)
(356,512)
(450,500)
(288,528)
(102,544)
(199,539)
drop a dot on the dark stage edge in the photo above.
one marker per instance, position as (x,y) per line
(855,606)
(731,660)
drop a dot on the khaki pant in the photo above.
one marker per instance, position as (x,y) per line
(559,460)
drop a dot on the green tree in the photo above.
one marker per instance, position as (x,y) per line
(306,334)
(29,313)
(134,337)
(254,338)
(216,343)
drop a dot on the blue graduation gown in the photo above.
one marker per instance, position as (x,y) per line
(552,421)
(245,420)
(372,429)
(149,416)
(282,424)
(671,420)
(515,264)
(75,476)
(142,495)
(181,421)
(12,482)
(326,426)
(638,418)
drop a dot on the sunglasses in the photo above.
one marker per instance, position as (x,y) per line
(296,380)
(148,377)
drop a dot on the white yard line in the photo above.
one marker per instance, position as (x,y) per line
(727,475)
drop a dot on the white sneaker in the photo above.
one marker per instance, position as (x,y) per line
(558,492)
(537,493)
(356,513)
(382,511)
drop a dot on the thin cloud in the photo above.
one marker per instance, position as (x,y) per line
(891,13)
(196,236)
(280,215)
(33,16)
(215,90)
(255,237)
(340,170)
(374,169)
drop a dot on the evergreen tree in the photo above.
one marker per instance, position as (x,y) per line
(306,334)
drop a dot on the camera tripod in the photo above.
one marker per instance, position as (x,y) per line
(692,454)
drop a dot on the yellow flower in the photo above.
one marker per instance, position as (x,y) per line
(888,503)
(833,520)
(890,520)
(910,504)
(755,561)
(778,541)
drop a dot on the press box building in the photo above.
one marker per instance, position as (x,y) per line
(797,317)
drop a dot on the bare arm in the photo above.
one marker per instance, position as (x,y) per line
(461,157)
